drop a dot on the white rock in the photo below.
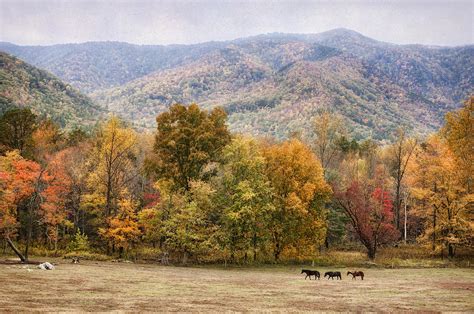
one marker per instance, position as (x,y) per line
(46,266)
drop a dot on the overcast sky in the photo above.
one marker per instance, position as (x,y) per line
(33,22)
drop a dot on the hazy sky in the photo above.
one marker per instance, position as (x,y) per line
(165,22)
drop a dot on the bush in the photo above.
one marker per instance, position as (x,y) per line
(80,242)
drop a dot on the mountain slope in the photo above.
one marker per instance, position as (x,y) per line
(23,85)
(272,84)
(276,84)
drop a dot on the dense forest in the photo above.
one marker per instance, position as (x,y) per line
(193,191)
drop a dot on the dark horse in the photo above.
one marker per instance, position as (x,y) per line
(332,274)
(356,274)
(310,273)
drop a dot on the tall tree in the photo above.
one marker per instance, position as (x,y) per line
(300,190)
(398,157)
(459,134)
(112,164)
(441,194)
(188,139)
(246,197)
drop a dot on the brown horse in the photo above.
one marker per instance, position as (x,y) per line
(356,274)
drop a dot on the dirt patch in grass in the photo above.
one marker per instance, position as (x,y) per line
(105,286)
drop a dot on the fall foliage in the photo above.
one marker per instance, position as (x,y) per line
(195,192)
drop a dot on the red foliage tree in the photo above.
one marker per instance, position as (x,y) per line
(18,181)
(370,211)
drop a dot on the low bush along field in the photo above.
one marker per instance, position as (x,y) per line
(101,286)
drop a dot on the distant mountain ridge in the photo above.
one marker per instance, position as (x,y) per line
(271,84)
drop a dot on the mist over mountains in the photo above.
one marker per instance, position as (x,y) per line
(269,84)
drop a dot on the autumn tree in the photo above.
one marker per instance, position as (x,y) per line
(56,188)
(368,205)
(441,194)
(188,139)
(300,191)
(459,134)
(122,228)
(19,177)
(397,157)
(246,197)
(16,129)
(48,139)
(112,166)
(328,131)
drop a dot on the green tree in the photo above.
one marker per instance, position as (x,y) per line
(16,130)
(246,197)
(189,231)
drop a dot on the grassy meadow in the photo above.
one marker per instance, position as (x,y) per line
(106,286)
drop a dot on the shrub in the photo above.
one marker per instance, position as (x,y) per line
(80,242)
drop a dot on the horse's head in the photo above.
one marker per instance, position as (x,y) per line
(327,274)
(349,273)
(303,271)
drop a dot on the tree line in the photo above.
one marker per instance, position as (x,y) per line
(197,192)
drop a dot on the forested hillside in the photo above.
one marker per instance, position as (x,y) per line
(22,85)
(272,84)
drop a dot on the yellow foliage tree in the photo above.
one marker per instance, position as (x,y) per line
(296,176)
(440,194)
(112,165)
(122,229)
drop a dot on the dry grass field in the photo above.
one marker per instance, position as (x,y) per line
(106,286)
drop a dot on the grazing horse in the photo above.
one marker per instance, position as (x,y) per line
(356,274)
(332,274)
(310,273)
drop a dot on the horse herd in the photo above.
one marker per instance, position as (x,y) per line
(331,274)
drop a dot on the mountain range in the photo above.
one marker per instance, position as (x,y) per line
(270,84)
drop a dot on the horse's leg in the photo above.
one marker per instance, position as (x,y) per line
(306,277)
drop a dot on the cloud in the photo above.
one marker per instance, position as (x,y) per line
(170,22)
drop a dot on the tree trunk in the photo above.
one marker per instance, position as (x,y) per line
(450,250)
(434,230)
(29,233)
(371,253)
(277,249)
(17,252)
(254,242)
(397,202)
(185,258)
